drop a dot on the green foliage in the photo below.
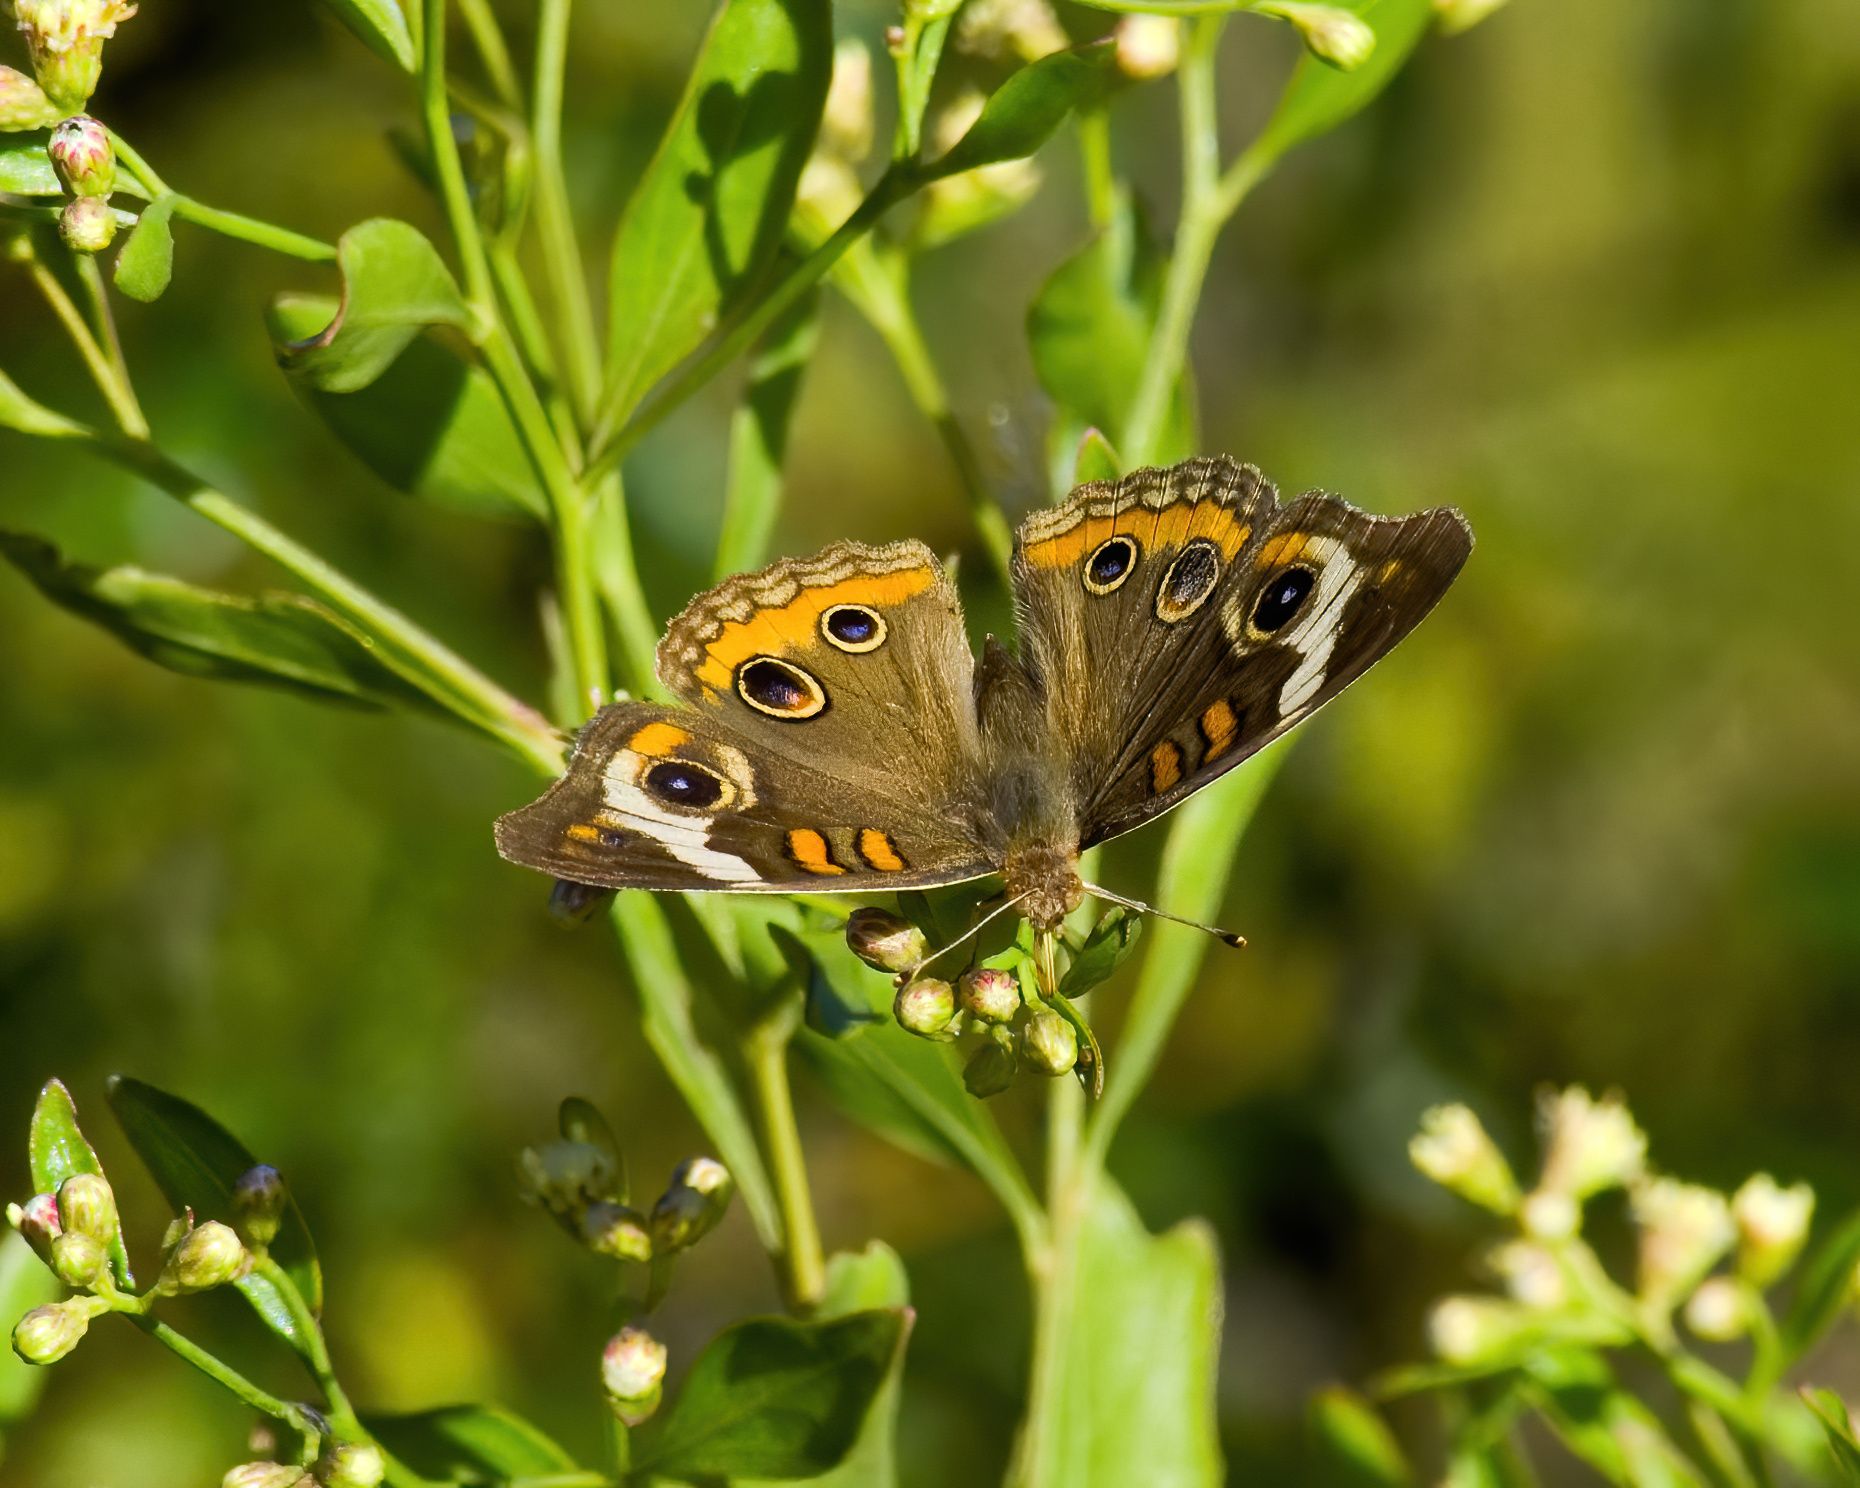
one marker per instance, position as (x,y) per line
(1025,111)
(1319,97)
(476,1444)
(381,27)
(146,262)
(56,1149)
(25,169)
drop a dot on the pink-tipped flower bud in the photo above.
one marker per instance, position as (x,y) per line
(990,1070)
(46,1334)
(925,1006)
(990,993)
(37,1219)
(79,1260)
(81,153)
(633,1374)
(566,1176)
(23,104)
(87,1205)
(692,1204)
(258,1205)
(617,1232)
(87,225)
(885,942)
(350,1465)
(65,39)
(267,1475)
(1049,1044)
(208,1256)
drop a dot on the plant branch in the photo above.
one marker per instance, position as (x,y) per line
(804,1267)
(488,38)
(223,1374)
(555,223)
(227,224)
(104,368)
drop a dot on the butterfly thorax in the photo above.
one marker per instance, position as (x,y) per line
(1044,878)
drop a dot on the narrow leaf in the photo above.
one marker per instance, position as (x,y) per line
(1095,459)
(17,411)
(1025,111)
(380,25)
(759,437)
(146,261)
(1319,97)
(773,1397)
(710,211)
(1826,1286)
(1111,940)
(477,1444)
(25,168)
(56,1148)
(1831,1411)
(394,285)
(1353,1445)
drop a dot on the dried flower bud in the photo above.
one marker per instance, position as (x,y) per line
(65,38)
(37,1219)
(81,153)
(1589,1145)
(1333,35)
(1002,29)
(350,1465)
(267,1475)
(633,1374)
(846,124)
(1049,1044)
(23,104)
(1148,46)
(258,1204)
(1531,1274)
(617,1232)
(1476,1330)
(79,1260)
(566,1176)
(1453,1149)
(1772,1226)
(1458,15)
(87,1205)
(1719,1311)
(46,1334)
(990,1071)
(87,225)
(692,1204)
(1684,1229)
(883,941)
(208,1256)
(990,993)
(925,1007)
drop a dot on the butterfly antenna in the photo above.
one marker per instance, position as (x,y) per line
(969,934)
(1226,937)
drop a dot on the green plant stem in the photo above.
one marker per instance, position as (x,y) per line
(1101,189)
(917,60)
(803,1264)
(315,1348)
(555,223)
(105,370)
(488,38)
(227,224)
(1053,1275)
(222,1374)
(618,578)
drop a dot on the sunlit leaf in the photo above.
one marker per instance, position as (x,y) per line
(1831,1411)
(1824,1291)
(284,640)
(1319,97)
(17,411)
(394,286)
(1111,940)
(843,994)
(759,438)
(432,425)
(1025,111)
(381,25)
(710,212)
(774,1397)
(1353,1445)
(146,261)
(56,1148)
(25,168)
(477,1444)
(1095,459)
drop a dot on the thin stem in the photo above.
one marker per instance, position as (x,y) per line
(488,37)
(436,112)
(222,1374)
(103,371)
(555,222)
(804,1267)
(252,230)
(315,1347)
(1095,158)
(618,578)
(104,318)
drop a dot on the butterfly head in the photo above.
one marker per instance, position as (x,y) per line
(1044,879)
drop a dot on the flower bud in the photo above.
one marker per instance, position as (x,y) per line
(37,1219)
(1772,1226)
(1719,1311)
(1458,15)
(846,125)
(885,942)
(258,1204)
(79,1260)
(1589,1145)
(1333,35)
(954,205)
(1452,1148)
(1550,1216)
(615,1231)
(1531,1274)
(23,104)
(267,1475)
(566,1176)
(925,1007)
(208,1256)
(691,1205)
(1476,1330)
(81,153)
(1684,1229)
(1148,46)
(633,1374)
(1049,1044)
(350,1465)
(1000,29)
(990,1071)
(87,225)
(87,1205)
(65,38)
(990,993)
(46,1334)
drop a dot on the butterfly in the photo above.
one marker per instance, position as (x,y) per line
(836,732)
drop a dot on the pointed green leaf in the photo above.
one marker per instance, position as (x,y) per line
(380,25)
(1353,1445)
(759,437)
(478,1444)
(1095,460)
(1826,1286)
(56,1149)
(17,411)
(394,285)
(432,425)
(1111,940)
(25,168)
(1601,1423)
(1831,1411)
(284,640)
(710,211)
(1026,110)
(1319,97)
(146,261)
(773,1397)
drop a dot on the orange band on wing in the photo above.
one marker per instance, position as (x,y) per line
(1169,528)
(582,832)
(795,625)
(809,849)
(657,739)
(1218,726)
(1165,766)
(875,847)
(1281,549)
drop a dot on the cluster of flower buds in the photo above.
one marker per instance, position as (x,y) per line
(633,1374)
(73,1232)
(339,1464)
(1016,1032)
(1010,30)
(65,41)
(581,1185)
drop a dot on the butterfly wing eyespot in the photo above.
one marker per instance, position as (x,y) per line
(1194,574)
(780,689)
(687,785)
(1281,599)
(852,627)
(1110,564)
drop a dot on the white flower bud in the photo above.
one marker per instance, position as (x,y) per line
(1148,46)
(81,153)
(79,1260)
(1531,1274)
(1452,1148)
(37,1219)
(1719,1311)
(1589,1145)
(1550,1216)
(925,1006)
(1772,1226)
(350,1465)
(1684,1229)
(1000,29)
(87,224)
(692,1204)
(846,125)
(1333,35)
(877,937)
(1049,1044)
(990,1071)
(1476,1330)
(87,1204)
(1458,15)
(633,1374)
(617,1232)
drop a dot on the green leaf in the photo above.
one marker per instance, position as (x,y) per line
(280,639)
(394,285)
(146,261)
(1318,97)
(710,211)
(1111,940)
(1603,1424)
(195,1163)
(1025,111)
(432,425)
(843,994)
(1831,1411)
(1147,1325)
(773,1397)
(1095,460)
(25,1283)
(25,168)
(380,25)
(477,1444)
(759,437)
(17,411)
(56,1148)
(1822,1296)
(1353,1445)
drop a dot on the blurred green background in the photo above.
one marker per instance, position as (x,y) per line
(1590,272)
